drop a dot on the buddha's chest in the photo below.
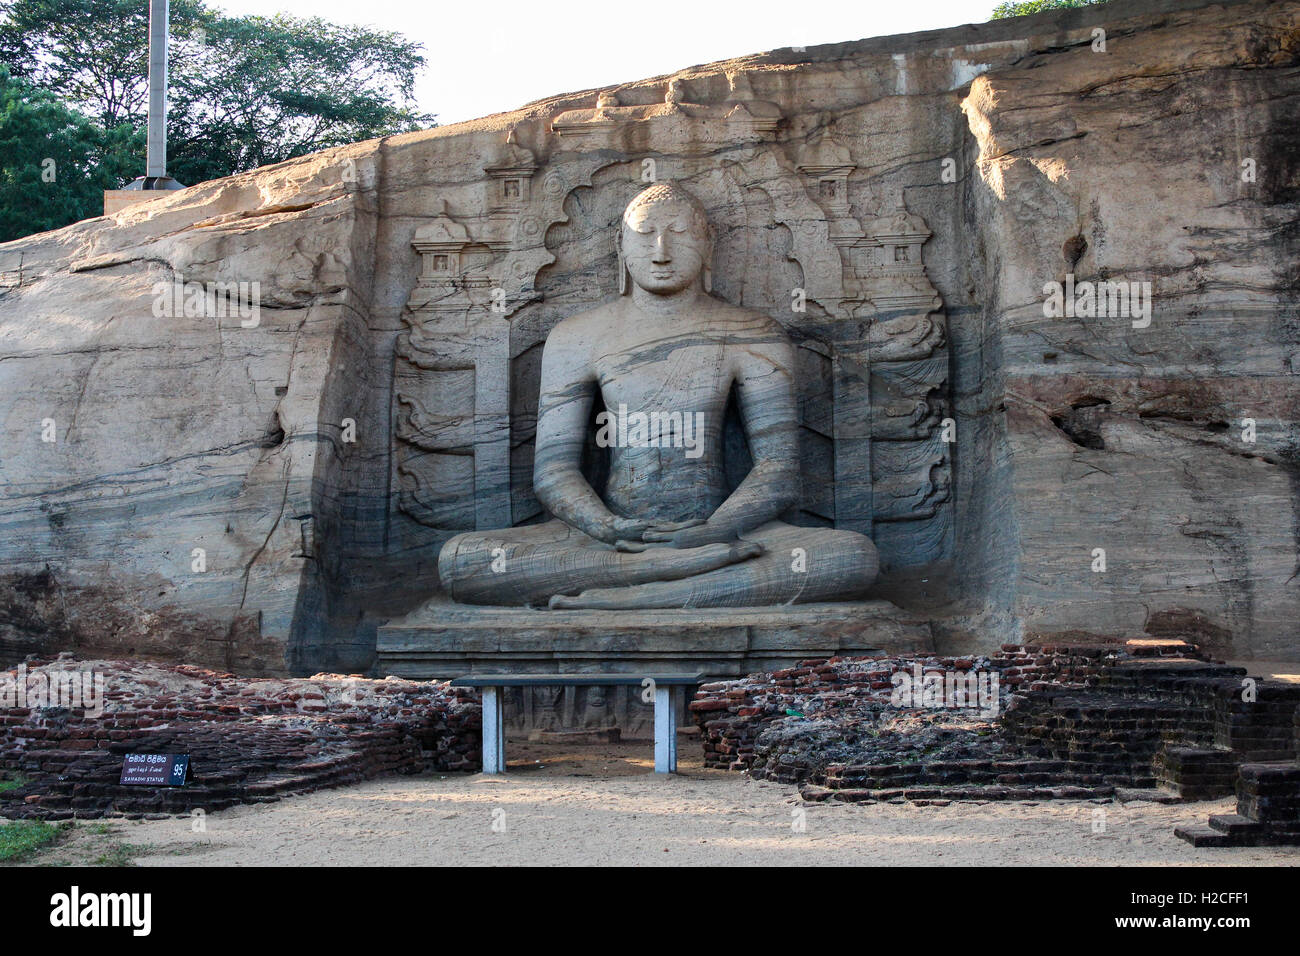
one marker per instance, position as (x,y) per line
(670,376)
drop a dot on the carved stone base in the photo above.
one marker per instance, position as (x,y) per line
(441,640)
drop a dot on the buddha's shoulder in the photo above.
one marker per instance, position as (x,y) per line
(740,320)
(593,323)
(581,325)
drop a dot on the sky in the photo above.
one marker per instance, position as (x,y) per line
(489,56)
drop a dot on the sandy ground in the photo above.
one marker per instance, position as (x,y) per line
(601,804)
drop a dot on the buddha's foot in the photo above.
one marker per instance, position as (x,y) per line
(674,565)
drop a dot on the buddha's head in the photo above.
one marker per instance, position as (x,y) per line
(664,245)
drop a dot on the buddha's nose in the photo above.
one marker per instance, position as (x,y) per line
(662,255)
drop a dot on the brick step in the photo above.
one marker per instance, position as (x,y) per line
(1232,823)
(955,773)
(1267,756)
(1073,705)
(1144,647)
(1279,773)
(1200,757)
(1255,834)
(1192,792)
(1199,836)
(1171,667)
(1149,794)
(1199,773)
(965,793)
(95,792)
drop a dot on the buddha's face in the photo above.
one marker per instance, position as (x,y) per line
(664,246)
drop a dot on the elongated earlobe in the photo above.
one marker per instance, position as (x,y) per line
(706,273)
(622,274)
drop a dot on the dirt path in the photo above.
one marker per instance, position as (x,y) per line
(602,805)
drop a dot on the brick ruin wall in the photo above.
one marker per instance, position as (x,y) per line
(250,740)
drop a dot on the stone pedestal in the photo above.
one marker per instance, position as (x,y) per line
(442,640)
(115,200)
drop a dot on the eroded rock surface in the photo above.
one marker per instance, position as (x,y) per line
(258,495)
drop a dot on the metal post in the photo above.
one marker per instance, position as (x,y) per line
(156,161)
(666,728)
(155,178)
(494,731)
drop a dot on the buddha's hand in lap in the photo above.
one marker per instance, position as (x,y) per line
(683,535)
(629,533)
(635,529)
(615,530)
(693,535)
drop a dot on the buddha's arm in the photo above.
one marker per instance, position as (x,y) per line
(563,407)
(764,374)
(765,379)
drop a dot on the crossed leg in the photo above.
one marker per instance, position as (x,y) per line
(531,564)
(797,566)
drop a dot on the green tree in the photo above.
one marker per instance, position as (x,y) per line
(1019,8)
(244,91)
(260,90)
(54,162)
(92,54)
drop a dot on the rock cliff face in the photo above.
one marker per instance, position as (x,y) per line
(253,478)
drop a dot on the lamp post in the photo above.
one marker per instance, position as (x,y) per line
(155,176)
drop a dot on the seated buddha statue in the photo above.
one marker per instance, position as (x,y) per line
(666,530)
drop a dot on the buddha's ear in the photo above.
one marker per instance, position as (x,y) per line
(706,273)
(623,283)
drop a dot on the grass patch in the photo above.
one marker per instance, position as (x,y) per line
(18,838)
(68,843)
(119,854)
(11,783)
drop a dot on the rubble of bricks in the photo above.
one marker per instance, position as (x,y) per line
(854,693)
(250,740)
(1148,718)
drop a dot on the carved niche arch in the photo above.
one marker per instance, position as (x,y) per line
(871,339)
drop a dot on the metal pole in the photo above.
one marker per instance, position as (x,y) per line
(156,161)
